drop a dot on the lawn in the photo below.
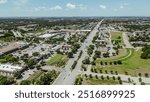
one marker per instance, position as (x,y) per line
(7,39)
(58,60)
(123,54)
(117,36)
(93,81)
(132,63)
(2,60)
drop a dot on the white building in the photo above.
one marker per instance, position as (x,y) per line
(9,70)
(51,34)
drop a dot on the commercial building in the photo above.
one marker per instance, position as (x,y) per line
(11,47)
(9,70)
(51,34)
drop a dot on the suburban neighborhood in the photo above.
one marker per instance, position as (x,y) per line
(75,51)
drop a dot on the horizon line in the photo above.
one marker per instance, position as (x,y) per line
(63,16)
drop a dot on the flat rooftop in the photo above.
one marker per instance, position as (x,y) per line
(10,46)
(47,35)
(50,34)
(9,68)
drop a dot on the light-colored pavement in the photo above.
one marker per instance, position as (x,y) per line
(67,77)
(66,72)
(16,34)
(111,50)
(50,68)
(126,41)
(28,73)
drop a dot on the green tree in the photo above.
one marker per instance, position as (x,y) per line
(70,54)
(25,82)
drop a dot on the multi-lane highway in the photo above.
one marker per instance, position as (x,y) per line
(67,77)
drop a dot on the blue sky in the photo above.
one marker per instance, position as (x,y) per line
(51,8)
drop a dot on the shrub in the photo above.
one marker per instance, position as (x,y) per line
(108,77)
(146,75)
(142,83)
(126,73)
(102,77)
(111,72)
(140,79)
(119,78)
(116,72)
(129,80)
(91,76)
(114,78)
(96,76)
(140,74)
(106,71)
(100,71)
(120,82)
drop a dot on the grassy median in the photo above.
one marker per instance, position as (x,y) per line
(58,60)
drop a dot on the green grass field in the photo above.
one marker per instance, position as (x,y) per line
(132,63)
(58,60)
(123,54)
(117,36)
(2,60)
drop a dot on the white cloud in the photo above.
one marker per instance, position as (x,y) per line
(102,6)
(71,6)
(42,8)
(3,1)
(75,6)
(56,8)
(121,6)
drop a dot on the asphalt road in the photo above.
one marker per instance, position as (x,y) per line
(126,41)
(67,77)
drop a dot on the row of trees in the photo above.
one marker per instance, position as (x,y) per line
(97,55)
(104,78)
(119,62)
(10,58)
(95,70)
(90,50)
(45,79)
(74,65)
